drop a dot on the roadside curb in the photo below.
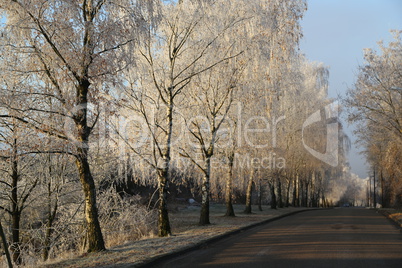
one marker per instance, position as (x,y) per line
(161,258)
(388,215)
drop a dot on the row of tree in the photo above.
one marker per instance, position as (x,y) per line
(375,105)
(214,95)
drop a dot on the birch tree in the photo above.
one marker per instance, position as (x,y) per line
(17,181)
(174,54)
(16,173)
(211,101)
(374,103)
(70,51)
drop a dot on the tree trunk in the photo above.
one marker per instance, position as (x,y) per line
(324,203)
(163,215)
(370,196)
(15,211)
(249,192)
(259,200)
(294,197)
(5,247)
(306,193)
(273,196)
(94,233)
(382,190)
(374,190)
(228,190)
(204,215)
(50,218)
(280,201)
(15,238)
(46,247)
(288,193)
(163,174)
(316,201)
(301,193)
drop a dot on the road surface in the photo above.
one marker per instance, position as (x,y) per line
(345,237)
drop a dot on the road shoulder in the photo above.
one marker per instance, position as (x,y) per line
(394,215)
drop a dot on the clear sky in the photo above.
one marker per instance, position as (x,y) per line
(336,32)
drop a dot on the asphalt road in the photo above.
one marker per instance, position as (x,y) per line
(346,237)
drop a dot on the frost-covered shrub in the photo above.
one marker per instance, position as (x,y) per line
(123,218)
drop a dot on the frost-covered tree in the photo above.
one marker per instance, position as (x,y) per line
(70,52)
(211,99)
(184,46)
(375,105)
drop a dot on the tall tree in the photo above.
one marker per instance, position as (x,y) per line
(210,102)
(375,104)
(17,183)
(182,48)
(70,52)
(17,179)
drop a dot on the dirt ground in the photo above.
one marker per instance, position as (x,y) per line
(186,233)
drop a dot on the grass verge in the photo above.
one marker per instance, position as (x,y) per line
(395,215)
(187,234)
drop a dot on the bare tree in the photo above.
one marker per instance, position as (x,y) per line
(69,51)
(375,104)
(211,101)
(16,176)
(171,58)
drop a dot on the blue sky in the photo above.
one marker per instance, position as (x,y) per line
(336,32)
